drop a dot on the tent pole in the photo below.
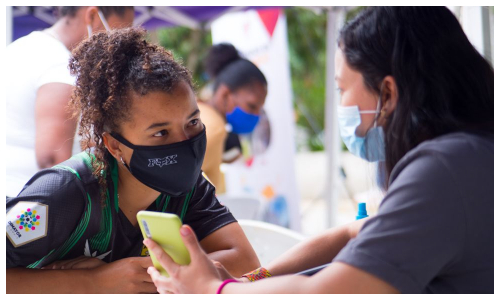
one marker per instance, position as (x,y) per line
(9,28)
(335,20)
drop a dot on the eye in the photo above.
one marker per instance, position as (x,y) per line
(161,133)
(194,122)
(253,107)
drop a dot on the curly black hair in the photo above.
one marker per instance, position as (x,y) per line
(109,67)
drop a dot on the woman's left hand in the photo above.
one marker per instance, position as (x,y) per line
(200,276)
(81,262)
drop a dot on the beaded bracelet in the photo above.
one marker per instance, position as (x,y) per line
(257,274)
(219,290)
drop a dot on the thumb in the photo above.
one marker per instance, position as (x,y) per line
(191,242)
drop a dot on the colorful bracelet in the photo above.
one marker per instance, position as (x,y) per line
(257,274)
(219,290)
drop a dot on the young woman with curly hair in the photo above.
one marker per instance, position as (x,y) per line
(139,111)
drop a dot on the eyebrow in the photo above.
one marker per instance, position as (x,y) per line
(194,113)
(155,125)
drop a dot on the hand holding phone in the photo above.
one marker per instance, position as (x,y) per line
(163,228)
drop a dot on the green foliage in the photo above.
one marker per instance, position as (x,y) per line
(189,46)
(353,12)
(307,44)
(307,47)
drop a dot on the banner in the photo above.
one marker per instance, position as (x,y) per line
(267,170)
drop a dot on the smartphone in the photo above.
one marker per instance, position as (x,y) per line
(163,228)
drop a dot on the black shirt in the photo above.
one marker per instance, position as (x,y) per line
(74,222)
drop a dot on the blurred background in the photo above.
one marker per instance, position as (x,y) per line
(294,170)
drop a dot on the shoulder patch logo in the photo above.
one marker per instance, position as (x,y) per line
(27,222)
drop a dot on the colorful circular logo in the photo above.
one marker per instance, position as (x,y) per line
(28,220)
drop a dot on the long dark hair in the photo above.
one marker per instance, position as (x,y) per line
(444,85)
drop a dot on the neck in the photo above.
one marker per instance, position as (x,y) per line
(68,31)
(133,195)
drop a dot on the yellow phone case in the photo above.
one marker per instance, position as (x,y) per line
(163,228)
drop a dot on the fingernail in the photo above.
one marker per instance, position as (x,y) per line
(184,231)
(145,242)
(42,268)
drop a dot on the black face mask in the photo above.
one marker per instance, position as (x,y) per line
(171,169)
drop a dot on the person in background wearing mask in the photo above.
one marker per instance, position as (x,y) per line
(421,98)
(239,90)
(39,129)
(138,109)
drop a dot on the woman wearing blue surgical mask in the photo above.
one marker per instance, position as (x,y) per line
(238,90)
(416,94)
(73,227)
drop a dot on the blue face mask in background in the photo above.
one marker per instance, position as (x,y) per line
(371,147)
(241,121)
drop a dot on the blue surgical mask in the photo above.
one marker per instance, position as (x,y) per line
(241,121)
(370,147)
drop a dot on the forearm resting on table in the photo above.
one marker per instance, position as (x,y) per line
(22,281)
(317,251)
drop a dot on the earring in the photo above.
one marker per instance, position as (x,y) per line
(121,158)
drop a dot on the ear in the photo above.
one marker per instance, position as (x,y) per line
(90,15)
(112,145)
(389,95)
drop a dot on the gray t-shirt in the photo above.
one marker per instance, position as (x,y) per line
(434,229)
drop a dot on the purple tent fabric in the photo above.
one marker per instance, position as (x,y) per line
(23,25)
(199,13)
(202,13)
(26,22)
